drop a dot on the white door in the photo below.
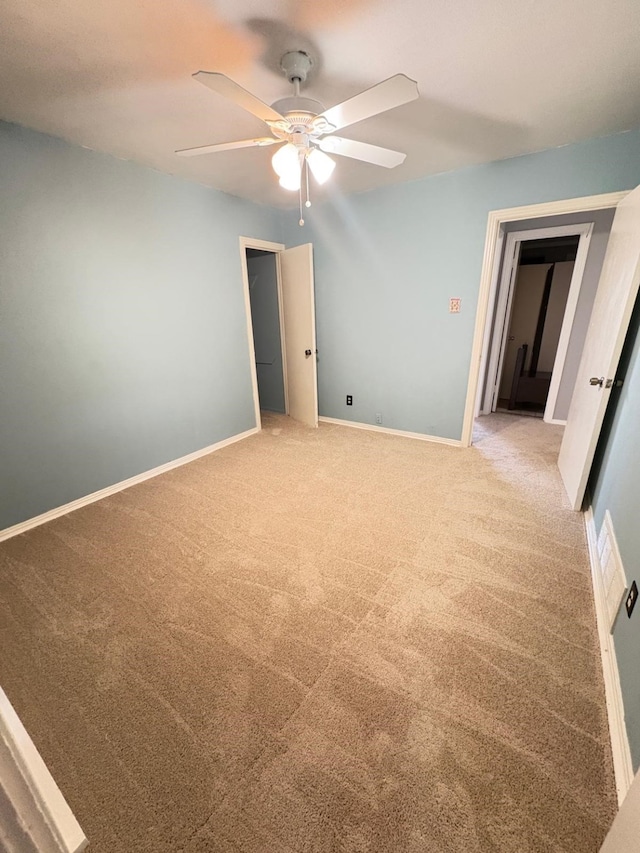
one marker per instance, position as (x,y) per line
(625,830)
(610,317)
(298,307)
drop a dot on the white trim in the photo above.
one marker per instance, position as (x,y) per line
(494,222)
(504,308)
(488,282)
(494,356)
(556,421)
(264,246)
(622,765)
(436,439)
(555,208)
(575,286)
(483,372)
(32,790)
(285,375)
(30,523)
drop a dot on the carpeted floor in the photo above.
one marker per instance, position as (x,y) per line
(314,641)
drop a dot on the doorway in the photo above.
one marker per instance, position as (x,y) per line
(265,299)
(583,209)
(524,293)
(281,328)
(533,323)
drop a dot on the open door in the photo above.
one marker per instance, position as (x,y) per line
(608,326)
(625,830)
(296,270)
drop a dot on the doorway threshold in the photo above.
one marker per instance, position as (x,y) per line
(503,409)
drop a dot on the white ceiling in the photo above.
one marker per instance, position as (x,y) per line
(497,78)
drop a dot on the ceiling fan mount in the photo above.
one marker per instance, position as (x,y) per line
(296,65)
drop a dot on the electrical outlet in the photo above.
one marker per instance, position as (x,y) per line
(630,603)
(349,400)
(455,304)
(378,418)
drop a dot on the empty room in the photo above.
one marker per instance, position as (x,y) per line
(319,406)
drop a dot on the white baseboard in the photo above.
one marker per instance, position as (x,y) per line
(453,442)
(41,810)
(30,523)
(622,765)
(555,421)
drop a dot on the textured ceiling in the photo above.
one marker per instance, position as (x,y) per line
(497,78)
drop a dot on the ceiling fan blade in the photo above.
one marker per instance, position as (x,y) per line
(362,151)
(224,85)
(394,92)
(228,146)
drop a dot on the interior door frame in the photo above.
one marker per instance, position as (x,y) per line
(498,328)
(489,280)
(275,248)
(32,792)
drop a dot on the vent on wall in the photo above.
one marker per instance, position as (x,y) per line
(614,582)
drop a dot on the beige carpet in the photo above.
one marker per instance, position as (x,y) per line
(328,640)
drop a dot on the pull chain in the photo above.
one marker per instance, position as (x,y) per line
(305,168)
(301,222)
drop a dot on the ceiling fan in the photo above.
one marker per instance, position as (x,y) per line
(304,129)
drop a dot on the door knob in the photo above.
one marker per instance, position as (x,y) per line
(595,381)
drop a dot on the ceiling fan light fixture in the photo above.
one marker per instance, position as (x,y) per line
(286,161)
(321,165)
(290,182)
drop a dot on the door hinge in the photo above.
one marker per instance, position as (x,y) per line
(614,383)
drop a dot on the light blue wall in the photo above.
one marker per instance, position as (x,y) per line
(387,261)
(122,328)
(265,318)
(616,486)
(123,338)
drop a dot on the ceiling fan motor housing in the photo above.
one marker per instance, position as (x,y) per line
(298,106)
(299,114)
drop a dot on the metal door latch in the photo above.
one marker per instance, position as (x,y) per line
(614,383)
(595,381)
